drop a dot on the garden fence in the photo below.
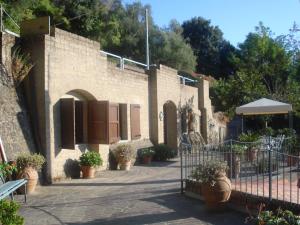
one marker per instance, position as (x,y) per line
(266,169)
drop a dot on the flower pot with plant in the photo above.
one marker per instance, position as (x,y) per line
(123,154)
(250,140)
(146,155)
(216,187)
(233,157)
(88,163)
(28,166)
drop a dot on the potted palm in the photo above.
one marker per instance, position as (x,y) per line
(28,166)
(215,186)
(88,162)
(146,155)
(123,155)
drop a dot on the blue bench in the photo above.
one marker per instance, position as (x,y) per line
(8,188)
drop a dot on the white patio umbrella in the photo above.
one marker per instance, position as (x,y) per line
(265,106)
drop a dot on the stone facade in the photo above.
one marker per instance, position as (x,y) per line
(15,129)
(70,66)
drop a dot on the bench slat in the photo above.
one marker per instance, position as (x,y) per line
(10,186)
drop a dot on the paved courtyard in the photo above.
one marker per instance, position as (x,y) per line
(144,195)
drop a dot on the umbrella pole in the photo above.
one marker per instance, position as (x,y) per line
(290,120)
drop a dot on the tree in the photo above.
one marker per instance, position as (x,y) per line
(263,70)
(212,51)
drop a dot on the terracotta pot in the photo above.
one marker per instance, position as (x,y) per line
(215,195)
(125,165)
(31,175)
(252,154)
(88,172)
(292,160)
(147,159)
(236,164)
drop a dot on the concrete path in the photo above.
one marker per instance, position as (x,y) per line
(144,195)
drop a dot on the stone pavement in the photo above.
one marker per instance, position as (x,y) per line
(144,195)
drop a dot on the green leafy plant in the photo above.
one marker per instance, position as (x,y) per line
(277,217)
(123,153)
(164,152)
(147,152)
(209,171)
(7,169)
(239,149)
(30,160)
(249,137)
(90,159)
(9,213)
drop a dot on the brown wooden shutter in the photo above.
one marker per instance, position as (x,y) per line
(98,115)
(114,125)
(79,122)
(135,121)
(67,123)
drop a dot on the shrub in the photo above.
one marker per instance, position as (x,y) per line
(34,160)
(7,169)
(163,152)
(123,153)
(8,213)
(239,149)
(209,171)
(90,159)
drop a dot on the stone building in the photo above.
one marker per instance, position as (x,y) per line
(79,100)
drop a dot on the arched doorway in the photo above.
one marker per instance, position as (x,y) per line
(170,124)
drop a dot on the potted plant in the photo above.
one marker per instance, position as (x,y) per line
(28,166)
(216,187)
(250,140)
(146,155)
(123,154)
(88,161)
(233,157)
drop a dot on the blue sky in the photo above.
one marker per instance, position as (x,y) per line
(236,18)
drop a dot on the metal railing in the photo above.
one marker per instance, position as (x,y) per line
(3,14)
(263,169)
(122,60)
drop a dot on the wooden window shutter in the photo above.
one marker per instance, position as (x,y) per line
(79,122)
(114,125)
(135,121)
(98,115)
(67,123)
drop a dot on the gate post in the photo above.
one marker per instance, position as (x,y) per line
(270,168)
(181,167)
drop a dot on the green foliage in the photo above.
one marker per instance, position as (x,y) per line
(263,70)
(90,159)
(8,213)
(279,217)
(147,152)
(238,149)
(164,152)
(249,137)
(212,51)
(120,29)
(34,160)
(209,171)
(123,153)
(7,169)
